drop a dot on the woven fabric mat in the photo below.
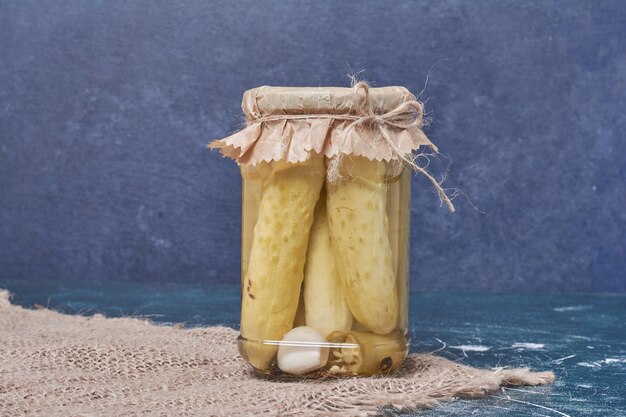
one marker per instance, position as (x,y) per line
(53,364)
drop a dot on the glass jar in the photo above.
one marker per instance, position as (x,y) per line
(324,267)
(325,231)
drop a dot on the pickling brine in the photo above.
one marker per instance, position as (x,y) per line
(328,258)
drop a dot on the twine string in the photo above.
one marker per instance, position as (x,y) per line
(404,116)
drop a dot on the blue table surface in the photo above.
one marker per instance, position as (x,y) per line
(581,337)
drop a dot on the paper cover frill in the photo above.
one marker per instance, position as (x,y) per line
(293,140)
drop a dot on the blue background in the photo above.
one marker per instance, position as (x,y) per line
(106,108)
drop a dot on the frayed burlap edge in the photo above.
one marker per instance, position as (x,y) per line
(54,364)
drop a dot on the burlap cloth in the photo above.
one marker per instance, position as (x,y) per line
(53,364)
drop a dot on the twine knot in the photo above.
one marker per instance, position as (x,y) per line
(408,114)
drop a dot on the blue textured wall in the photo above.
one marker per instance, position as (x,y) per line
(106,107)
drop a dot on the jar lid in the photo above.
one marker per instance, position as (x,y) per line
(270,101)
(292,123)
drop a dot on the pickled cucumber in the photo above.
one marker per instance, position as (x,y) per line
(271,287)
(324,304)
(359,233)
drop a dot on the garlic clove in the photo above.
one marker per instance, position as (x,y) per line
(299,360)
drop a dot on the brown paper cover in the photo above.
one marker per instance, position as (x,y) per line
(278,127)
